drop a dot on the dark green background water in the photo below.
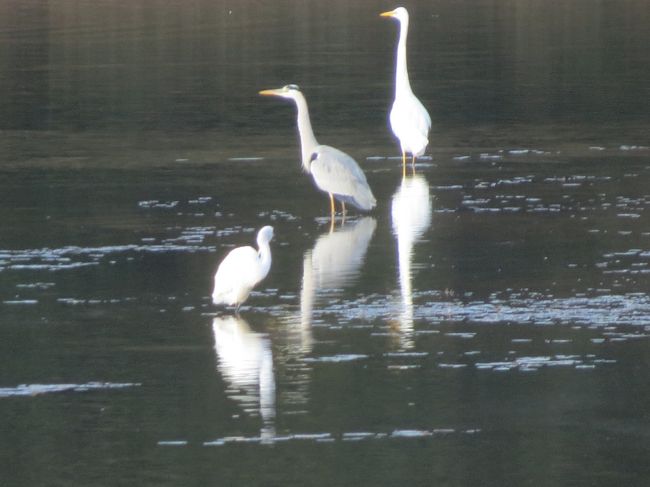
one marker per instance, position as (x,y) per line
(487,324)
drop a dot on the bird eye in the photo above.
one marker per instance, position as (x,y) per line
(292,87)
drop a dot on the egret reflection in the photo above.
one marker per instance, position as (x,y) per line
(245,361)
(411,215)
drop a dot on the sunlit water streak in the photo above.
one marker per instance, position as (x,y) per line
(631,309)
(31,390)
(353,436)
(72,257)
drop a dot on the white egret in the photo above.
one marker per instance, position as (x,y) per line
(241,270)
(409,119)
(333,171)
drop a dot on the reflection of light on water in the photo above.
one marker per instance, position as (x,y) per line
(32,390)
(74,257)
(352,436)
(594,312)
(245,360)
(411,214)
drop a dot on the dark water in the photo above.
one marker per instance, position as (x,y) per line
(487,324)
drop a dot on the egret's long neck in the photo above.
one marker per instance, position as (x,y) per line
(307,139)
(264,253)
(401,72)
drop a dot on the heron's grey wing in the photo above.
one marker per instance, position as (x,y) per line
(336,172)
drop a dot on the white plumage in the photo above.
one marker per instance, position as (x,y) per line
(409,120)
(241,270)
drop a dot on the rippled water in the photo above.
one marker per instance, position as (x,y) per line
(487,303)
(486,324)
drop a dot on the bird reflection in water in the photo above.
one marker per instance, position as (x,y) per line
(411,215)
(245,361)
(334,262)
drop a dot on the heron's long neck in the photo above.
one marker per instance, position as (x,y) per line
(307,139)
(401,72)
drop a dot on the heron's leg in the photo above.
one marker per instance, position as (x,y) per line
(413,164)
(343,212)
(332,208)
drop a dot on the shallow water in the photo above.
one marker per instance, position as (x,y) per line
(486,324)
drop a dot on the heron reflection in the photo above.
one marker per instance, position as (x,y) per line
(411,215)
(245,361)
(333,263)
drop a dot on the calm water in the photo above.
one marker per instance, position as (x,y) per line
(487,324)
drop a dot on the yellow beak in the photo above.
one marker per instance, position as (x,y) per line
(269,92)
(387,14)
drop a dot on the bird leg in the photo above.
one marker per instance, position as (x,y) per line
(332,208)
(413,164)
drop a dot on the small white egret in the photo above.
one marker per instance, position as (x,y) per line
(333,171)
(241,270)
(409,119)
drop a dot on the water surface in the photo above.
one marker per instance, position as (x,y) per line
(486,324)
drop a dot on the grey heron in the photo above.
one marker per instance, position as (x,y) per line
(409,120)
(241,270)
(334,172)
